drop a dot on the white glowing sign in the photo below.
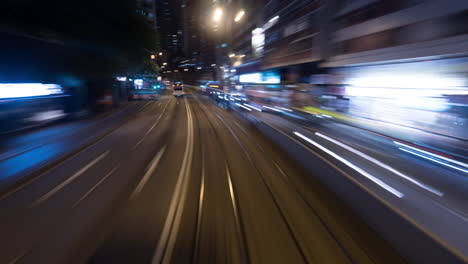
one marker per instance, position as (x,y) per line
(19,90)
(258,41)
(264,78)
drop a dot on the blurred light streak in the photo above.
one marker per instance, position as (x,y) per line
(273,19)
(432,154)
(385,166)
(271,108)
(258,109)
(47,115)
(285,109)
(352,166)
(239,16)
(17,90)
(404,148)
(245,107)
(429,158)
(407,81)
(387,92)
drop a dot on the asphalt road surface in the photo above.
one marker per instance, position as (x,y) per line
(181,181)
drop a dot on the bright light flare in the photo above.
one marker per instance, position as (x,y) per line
(405,86)
(239,16)
(18,90)
(218,14)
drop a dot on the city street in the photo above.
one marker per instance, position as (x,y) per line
(182,181)
(234,131)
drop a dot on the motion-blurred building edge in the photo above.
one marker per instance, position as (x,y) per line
(412,52)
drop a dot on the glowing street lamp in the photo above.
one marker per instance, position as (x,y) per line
(218,14)
(239,16)
(160,53)
(152,56)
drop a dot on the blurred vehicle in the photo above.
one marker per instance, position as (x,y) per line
(24,105)
(178,89)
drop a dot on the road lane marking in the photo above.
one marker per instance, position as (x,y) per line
(249,136)
(200,211)
(166,243)
(235,137)
(152,166)
(151,128)
(68,181)
(383,165)
(237,124)
(233,196)
(94,187)
(352,166)
(282,172)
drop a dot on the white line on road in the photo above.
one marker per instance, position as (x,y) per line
(168,237)
(352,166)
(69,180)
(385,166)
(151,128)
(94,187)
(200,211)
(281,171)
(153,164)
(233,196)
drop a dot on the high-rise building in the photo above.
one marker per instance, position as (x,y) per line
(170,31)
(147,8)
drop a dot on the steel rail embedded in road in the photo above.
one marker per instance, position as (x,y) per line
(168,236)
